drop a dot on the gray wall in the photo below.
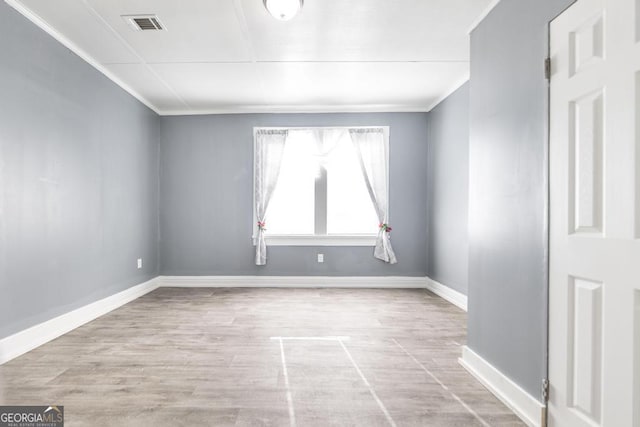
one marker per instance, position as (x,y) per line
(78,180)
(508,195)
(448,191)
(206,198)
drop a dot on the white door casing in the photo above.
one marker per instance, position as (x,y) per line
(594,287)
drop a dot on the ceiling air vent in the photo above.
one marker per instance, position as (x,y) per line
(144,22)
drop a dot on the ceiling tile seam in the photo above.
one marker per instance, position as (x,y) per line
(134,52)
(183,62)
(295,109)
(440,61)
(368,61)
(66,42)
(244,29)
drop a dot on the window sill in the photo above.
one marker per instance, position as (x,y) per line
(328,240)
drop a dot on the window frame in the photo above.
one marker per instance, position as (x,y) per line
(316,239)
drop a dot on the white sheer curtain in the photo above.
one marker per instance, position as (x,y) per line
(269,148)
(371,149)
(326,141)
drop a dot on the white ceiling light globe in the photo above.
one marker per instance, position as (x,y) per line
(283,10)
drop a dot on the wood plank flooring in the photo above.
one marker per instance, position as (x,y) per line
(261,357)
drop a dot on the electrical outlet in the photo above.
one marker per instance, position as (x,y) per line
(139,262)
(320,257)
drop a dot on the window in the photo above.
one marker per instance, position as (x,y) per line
(321,196)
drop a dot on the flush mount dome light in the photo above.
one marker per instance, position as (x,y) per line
(283,9)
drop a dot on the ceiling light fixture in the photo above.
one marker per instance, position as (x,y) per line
(283,10)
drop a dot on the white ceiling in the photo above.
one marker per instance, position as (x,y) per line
(229,56)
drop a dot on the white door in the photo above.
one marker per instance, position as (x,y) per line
(594,301)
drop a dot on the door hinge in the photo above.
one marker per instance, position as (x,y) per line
(547,68)
(545,390)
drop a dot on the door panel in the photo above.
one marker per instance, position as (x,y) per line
(585,343)
(636,358)
(637,23)
(594,326)
(637,130)
(586,45)
(586,134)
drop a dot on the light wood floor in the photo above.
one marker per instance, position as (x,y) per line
(217,357)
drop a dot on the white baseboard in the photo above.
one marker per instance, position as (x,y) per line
(28,339)
(525,406)
(292,282)
(454,297)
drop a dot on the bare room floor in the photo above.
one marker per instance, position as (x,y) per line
(258,357)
